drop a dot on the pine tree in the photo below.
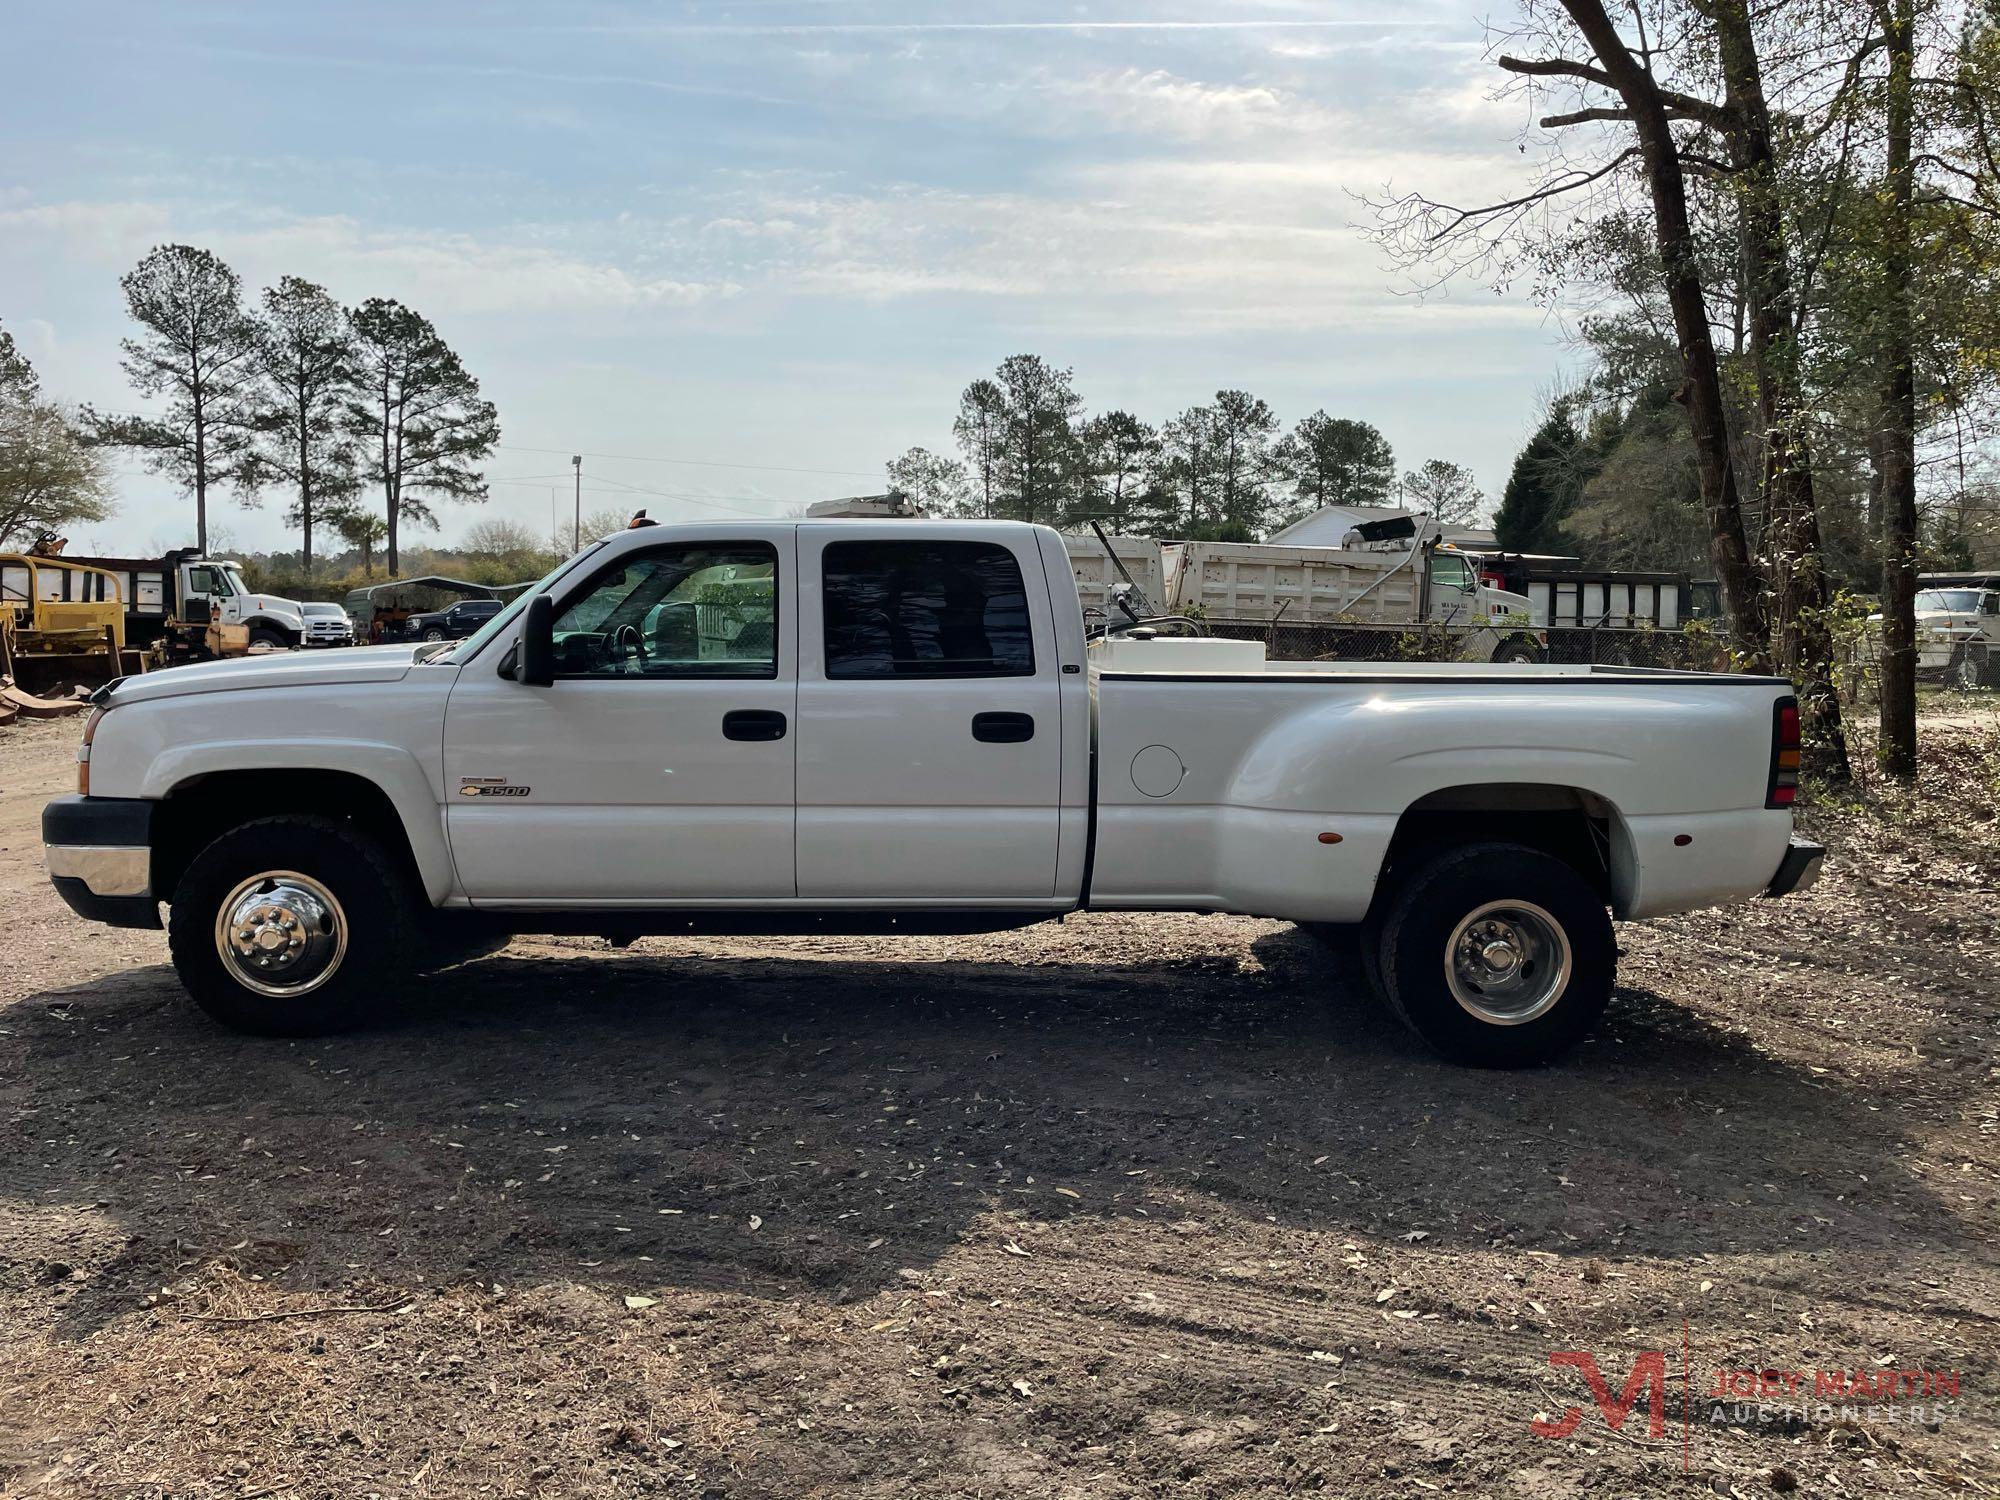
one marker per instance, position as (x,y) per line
(1543,489)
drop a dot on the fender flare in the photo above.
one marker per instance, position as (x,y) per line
(391,769)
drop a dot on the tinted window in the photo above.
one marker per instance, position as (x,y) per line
(925,609)
(689,611)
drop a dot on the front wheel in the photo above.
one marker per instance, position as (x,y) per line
(1498,955)
(263,635)
(293,926)
(1969,669)
(1517,653)
(432,633)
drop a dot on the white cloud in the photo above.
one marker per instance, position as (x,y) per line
(91,232)
(439,273)
(1156,104)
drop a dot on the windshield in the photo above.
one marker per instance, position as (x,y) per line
(232,579)
(473,644)
(1959,601)
(330,611)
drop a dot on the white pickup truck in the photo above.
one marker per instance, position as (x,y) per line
(873,726)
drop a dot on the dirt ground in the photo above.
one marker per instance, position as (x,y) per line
(1123,1206)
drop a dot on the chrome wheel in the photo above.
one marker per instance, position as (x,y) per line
(281,934)
(1507,962)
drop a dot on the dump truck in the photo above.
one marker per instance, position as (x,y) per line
(1394,579)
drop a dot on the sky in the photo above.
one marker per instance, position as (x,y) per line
(738,255)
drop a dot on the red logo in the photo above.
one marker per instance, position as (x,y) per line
(1648,1378)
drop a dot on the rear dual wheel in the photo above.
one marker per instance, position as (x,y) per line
(1497,955)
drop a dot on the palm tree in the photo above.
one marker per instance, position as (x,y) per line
(363,529)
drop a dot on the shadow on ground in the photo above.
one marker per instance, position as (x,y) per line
(788,1125)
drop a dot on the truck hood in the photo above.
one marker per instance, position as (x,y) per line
(292,669)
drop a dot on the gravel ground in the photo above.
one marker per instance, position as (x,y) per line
(1121,1206)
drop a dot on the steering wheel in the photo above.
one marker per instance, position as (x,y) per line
(626,644)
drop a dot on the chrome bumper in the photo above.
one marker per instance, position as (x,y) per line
(99,855)
(104,869)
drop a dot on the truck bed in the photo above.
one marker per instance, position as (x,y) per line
(1229,771)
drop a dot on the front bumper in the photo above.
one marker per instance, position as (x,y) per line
(1798,869)
(99,852)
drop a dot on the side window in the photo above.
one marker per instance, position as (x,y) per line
(925,609)
(707,610)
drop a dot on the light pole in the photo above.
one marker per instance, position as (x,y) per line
(576,526)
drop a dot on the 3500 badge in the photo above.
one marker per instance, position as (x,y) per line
(488,786)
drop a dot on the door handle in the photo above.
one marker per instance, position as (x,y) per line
(753,724)
(1003,729)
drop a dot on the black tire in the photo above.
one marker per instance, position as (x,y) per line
(1440,895)
(263,635)
(432,633)
(1516,652)
(1970,669)
(378,904)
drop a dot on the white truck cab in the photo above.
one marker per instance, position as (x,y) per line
(1958,633)
(841,726)
(185,588)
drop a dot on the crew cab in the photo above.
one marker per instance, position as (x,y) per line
(903,726)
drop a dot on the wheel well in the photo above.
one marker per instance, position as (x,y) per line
(1577,827)
(203,808)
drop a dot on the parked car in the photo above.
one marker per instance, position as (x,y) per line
(454,623)
(327,625)
(864,726)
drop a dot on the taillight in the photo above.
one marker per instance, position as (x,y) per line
(1785,742)
(83,752)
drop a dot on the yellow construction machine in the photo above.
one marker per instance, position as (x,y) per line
(62,624)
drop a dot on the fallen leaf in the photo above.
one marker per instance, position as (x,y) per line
(755,1222)
(1024,1388)
(1069,1192)
(1011,1248)
(1414,1235)
(1386,1293)
(635,1303)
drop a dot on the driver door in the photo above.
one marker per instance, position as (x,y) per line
(657,769)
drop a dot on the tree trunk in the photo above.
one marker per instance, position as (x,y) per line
(1701,386)
(1897,444)
(200,478)
(305,494)
(389,496)
(1801,633)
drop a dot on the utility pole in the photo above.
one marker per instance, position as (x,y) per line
(576,526)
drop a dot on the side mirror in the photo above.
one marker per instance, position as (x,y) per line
(535,655)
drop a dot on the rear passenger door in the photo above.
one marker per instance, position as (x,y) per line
(929,746)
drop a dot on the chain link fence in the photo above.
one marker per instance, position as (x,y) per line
(1699,649)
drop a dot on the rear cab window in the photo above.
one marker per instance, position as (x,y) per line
(924,609)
